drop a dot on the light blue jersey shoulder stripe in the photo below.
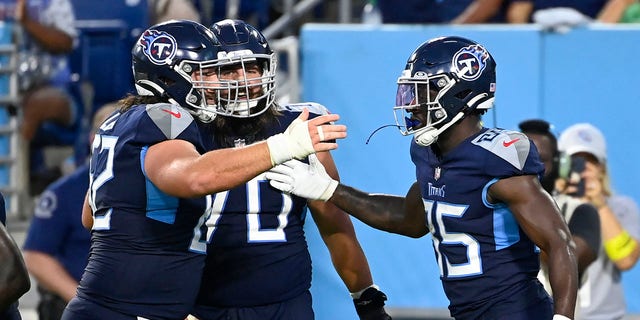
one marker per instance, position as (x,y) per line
(160,206)
(505,227)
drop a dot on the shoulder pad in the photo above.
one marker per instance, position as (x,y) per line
(311,106)
(171,119)
(512,146)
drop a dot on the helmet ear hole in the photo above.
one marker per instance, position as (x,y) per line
(168,82)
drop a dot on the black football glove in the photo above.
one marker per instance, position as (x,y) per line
(370,305)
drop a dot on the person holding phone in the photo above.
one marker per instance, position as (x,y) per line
(581,216)
(576,183)
(602,296)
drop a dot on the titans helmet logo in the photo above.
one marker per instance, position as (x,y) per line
(469,62)
(159,46)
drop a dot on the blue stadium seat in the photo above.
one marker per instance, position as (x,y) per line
(108,30)
(102,59)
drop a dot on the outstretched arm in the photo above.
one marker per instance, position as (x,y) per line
(539,217)
(176,167)
(14,278)
(402,215)
(346,253)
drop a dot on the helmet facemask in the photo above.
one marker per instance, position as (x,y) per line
(418,106)
(459,76)
(244,85)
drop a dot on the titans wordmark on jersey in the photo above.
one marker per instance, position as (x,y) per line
(482,253)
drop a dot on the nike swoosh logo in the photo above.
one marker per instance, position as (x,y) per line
(508,143)
(175,114)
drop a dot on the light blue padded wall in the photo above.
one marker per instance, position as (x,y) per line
(584,75)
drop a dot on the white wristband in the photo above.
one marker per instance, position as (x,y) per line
(356,295)
(331,188)
(278,149)
(293,143)
(560,317)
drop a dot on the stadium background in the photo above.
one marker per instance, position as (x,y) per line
(589,74)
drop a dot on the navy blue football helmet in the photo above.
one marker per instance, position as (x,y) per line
(251,92)
(444,80)
(169,60)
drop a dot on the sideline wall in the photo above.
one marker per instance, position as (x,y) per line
(586,75)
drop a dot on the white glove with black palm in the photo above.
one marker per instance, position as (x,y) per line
(309,181)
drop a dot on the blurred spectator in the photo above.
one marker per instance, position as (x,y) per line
(542,11)
(445,11)
(408,11)
(50,103)
(14,279)
(631,14)
(255,12)
(581,217)
(485,11)
(164,10)
(602,296)
(57,245)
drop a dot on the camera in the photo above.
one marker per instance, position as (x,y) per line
(570,169)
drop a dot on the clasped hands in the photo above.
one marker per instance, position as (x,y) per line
(309,181)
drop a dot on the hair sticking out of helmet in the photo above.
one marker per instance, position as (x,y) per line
(247,70)
(444,80)
(170,60)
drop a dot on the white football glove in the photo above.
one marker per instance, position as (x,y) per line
(560,317)
(293,143)
(309,181)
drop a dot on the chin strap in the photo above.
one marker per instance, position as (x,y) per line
(428,135)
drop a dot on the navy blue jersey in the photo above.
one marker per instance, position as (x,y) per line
(56,228)
(11,313)
(257,252)
(147,248)
(483,255)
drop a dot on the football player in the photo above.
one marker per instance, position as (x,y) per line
(258,265)
(151,179)
(477,191)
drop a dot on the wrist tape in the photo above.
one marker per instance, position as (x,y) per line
(356,295)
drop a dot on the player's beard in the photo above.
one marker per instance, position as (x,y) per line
(251,129)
